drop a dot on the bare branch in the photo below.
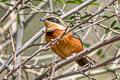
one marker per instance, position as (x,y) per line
(19,51)
(13,47)
(10,11)
(76,9)
(34,38)
(81,54)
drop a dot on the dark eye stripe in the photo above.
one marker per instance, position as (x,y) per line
(53,20)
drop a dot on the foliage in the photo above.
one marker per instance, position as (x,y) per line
(92,23)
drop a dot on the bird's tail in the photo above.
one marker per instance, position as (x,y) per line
(83,61)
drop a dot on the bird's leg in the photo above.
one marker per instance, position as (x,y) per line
(88,65)
(92,61)
(83,73)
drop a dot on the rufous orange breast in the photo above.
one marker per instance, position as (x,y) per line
(66,46)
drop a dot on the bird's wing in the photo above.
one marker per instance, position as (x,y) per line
(75,35)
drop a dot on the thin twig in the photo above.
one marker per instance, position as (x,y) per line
(35,66)
(19,51)
(97,22)
(79,55)
(10,11)
(84,21)
(13,47)
(35,37)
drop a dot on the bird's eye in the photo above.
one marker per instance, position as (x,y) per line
(53,20)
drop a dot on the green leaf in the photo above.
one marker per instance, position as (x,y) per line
(116,28)
(60,1)
(83,17)
(79,1)
(105,16)
(107,31)
(113,23)
(4,0)
(74,2)
(71,17)
(95,4)
(70,2)
(9,4)
(86,44)
(18,19)
(38,0)
(99,52)
(24,7)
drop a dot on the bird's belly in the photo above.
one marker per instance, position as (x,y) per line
(61,49)
(65,46)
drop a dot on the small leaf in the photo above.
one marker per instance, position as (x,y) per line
(18,18)
(70,2)
(74,2)
(95,4)
(86,44)
(79,1)
(99,52)
(107,31)
(83,17)
(113,23)
(71,17)
(105,16)
(24,7)
(8,4)
(4,0)
(60,1)
(116,28)
(38,0)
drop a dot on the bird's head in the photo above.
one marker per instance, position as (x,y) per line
(52,23)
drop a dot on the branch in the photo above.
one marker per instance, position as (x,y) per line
(30,16)
(80,55)
(95,23)
(35,67)
(13,47)
(19,39)
(19,51)
(84,21)
(10,11)
(76,9)
(94,72)
(34,38)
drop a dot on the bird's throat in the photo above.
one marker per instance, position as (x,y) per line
(50,26)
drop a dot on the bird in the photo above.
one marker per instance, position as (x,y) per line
(69,44)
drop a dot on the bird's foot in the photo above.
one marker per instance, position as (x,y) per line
(89,77)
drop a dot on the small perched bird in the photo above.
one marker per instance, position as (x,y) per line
(68,44)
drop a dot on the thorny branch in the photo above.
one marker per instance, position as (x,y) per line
(64,62)
(34,38)
(79,55)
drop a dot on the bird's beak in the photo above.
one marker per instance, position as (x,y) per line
(42,19)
